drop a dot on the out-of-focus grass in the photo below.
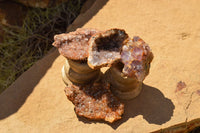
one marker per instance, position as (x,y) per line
(23,46)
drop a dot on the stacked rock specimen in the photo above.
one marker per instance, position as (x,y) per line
(96,95)
(74,46)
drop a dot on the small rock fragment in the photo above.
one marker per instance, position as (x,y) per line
(95,102)
(136,57)
(74,45)
(180,85)
(198,92)
(105,48)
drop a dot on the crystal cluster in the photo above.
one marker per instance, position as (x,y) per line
(74,45)
(105,48)
(95,102)
(136,57)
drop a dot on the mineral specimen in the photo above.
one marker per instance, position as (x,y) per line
(136,57)
(123,87)
(105,48)
(87,50)
(74,45)
(95,102)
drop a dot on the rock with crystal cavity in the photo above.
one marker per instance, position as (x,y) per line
(136,57)
(105,48)
(95,102)
(74,45)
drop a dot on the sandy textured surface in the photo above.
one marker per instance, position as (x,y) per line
(36,102)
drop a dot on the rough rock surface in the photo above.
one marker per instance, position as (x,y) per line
(74,45)
(136,56)
(105,48)
(95,102)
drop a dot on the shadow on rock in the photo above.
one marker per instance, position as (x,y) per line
(151,104)
(15,96)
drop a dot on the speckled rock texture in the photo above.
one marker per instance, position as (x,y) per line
(74,45)
(136,56)
(95,102)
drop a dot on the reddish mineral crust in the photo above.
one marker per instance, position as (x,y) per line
(105,48)
(136,57)
(95,102)
(180,85)
(198,92)
(74,45)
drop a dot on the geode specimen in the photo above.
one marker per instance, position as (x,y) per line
(95,102)
(105,48)
(88,50)
(74,45)
(122,86)
(126,76)
(136,56)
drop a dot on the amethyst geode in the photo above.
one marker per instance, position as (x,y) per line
(87,51)
(136,57)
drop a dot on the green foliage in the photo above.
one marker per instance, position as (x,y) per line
(22,46)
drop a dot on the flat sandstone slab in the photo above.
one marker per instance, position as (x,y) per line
(36,102)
